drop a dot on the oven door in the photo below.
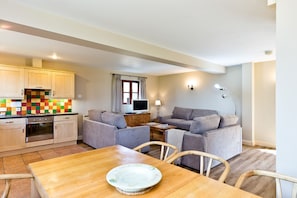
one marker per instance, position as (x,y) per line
(39,131)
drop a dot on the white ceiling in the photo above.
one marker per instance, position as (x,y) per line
(224,32)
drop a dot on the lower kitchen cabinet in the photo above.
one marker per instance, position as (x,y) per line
(12,134)
(65,128)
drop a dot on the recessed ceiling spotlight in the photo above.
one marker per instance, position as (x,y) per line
(4,26)
(54,56)
(268,52)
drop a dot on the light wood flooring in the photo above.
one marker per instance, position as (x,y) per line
(251,158)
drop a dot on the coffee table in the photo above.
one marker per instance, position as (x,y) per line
(158,131)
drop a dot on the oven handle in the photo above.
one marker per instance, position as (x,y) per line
(43,122)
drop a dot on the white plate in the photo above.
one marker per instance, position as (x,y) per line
(133,178)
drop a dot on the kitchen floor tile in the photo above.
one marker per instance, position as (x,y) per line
(21,188)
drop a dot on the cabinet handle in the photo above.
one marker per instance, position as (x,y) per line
(39,87)
(67,118)
(53,93)
(22,92)
(9,122)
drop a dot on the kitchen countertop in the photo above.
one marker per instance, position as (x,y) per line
(36,115)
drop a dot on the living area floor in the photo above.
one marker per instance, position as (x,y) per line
(251,158)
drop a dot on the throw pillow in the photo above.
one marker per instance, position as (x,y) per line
(205,123)
(114,119)
(95,114)
(181,113)
(228,120)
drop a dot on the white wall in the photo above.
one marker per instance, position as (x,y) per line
(264,110)
(173,91)
(248,136)
(286,86)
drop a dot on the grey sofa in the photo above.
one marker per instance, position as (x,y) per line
(101,129)
(182,118)
(217,134)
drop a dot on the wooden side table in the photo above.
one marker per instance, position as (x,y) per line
(158,131)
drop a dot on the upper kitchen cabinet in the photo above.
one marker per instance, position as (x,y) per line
(62,84)
(37,79)
(11,82)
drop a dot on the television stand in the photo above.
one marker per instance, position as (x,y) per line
(130,113)
(137,119)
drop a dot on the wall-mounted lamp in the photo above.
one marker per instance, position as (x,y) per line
(224,95)
(191,87)
(219,87)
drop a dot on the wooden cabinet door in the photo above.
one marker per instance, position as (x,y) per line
(38,79)
(63,85)
(12,134)
(11,82)
(65,128)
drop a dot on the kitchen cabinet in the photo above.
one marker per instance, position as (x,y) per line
(11,82)
(12,134)
(38,79)
(65,128)
(63,85)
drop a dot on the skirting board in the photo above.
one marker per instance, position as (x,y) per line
(258,143)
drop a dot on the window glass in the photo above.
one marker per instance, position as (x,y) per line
(126,98)
(126,87)
(130,91)
(135,87)
(134,96)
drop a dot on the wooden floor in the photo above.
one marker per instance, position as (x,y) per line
(251,158)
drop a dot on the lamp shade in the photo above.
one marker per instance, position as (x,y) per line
(158,102)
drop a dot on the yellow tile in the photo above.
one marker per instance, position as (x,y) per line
(35,100)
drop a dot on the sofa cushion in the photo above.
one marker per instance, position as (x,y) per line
(117,120)
(181,113)
(205,123)
(201,112)
(95,114)
(228,120)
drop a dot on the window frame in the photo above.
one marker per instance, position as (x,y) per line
(130,92)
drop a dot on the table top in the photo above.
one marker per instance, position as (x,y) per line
(163,126)
(84,175)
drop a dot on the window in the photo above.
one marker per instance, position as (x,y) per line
(130,91)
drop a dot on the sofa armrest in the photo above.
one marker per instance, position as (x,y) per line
(98,134)
(225,142)
(192,142)
(133,136)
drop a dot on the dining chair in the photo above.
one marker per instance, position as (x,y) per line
(206,159)
(8,177)
(277,176)
(166,150)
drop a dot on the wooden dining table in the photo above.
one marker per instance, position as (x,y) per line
(84,175)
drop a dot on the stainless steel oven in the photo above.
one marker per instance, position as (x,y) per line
(39,128)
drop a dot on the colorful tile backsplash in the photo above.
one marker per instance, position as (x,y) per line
(35,102)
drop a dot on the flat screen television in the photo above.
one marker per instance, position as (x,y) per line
(140,105)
